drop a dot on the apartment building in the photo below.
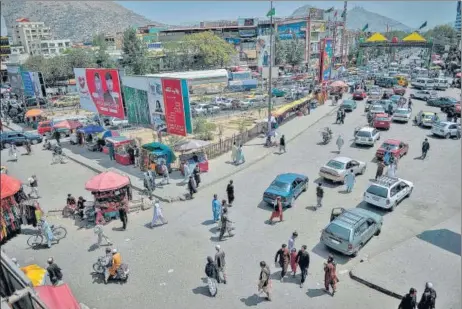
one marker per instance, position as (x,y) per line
(27,33)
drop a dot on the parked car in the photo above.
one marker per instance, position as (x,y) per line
(30,102)
(376,109)
(44,127)
(396,147)
(359,95)
(441,84)
(336,169)
(424,95)
(401,115)
(382,121)
(116,122)
(442,101)
(349,230)
(399,90)
(424,119)
(367,136)
(349,105)
(19,138)
(387,192)
(288,186)
(454,108)
(446,129)
(278,93)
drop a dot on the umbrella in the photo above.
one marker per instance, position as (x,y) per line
(8,185)
(338,83)
(109,133)
(91,129)
(190,145)
(107,181)
(68,124)
(33,112)
(57,297)
(35,273)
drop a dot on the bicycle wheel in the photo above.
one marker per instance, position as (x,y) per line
(35,241)
(97,267)
(59,233)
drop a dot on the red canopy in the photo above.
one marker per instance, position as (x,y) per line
(68,124)
(107,181)
(8,185)
(57,297)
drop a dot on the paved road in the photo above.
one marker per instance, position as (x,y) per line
(167,263)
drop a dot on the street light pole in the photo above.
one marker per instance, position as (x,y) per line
(270,82)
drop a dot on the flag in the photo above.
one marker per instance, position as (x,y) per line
(343,14)
(271,12)
(330,10)
(423,25)
(365,27)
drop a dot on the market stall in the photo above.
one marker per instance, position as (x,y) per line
(288,110)
(10,215)
(121,145)
(33,116)
(35,273)
(111,192)
(57,297)
(153,154)
(192,154)
(87,134)
(105,134)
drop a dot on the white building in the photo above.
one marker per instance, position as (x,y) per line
(50,48)
(27,33)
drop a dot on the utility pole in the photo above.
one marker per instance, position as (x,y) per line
(344,43)
(270,81)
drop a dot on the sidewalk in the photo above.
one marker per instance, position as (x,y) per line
(219,168)
(433,255)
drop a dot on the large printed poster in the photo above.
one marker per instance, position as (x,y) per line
(174,107)
(326,59)
(263,48)
(32,85)
(86,103)
(136,102)
(156,103)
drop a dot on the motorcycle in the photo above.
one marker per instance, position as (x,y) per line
(121,273)
(326,136)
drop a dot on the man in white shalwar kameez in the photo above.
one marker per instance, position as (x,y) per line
(391,172)
(157,213)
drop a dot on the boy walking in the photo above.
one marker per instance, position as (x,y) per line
(319,196)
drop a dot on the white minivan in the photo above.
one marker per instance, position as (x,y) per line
(423,83)
(441,84)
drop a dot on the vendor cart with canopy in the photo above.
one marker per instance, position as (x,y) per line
(121,145)
(153,154)
(10,215)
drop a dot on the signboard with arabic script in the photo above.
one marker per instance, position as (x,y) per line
(174,107)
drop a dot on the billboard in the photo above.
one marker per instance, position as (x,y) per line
(318,27)
(33,86)
(14,77)
(326,59)
(316,14)
(247,33)
(175,93)
(155,98)
(247,22)
(102,88)
(289,31)
(136,103)
(264,50)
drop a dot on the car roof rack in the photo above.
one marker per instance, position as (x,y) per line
(386,181)
(350,218)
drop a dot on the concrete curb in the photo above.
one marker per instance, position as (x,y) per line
(375,287)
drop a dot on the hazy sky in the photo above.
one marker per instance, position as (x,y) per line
(410,13)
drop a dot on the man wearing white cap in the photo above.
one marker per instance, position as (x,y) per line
(220,262)
(157,213)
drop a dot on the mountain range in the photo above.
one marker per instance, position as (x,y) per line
(81,20)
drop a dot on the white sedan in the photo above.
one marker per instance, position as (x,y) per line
(336,169)
(401,115)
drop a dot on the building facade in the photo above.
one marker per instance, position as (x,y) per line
(50,48)
(27,34)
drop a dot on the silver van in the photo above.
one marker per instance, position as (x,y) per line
(423,83)
(441,84)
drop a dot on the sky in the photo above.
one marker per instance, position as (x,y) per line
(410,13)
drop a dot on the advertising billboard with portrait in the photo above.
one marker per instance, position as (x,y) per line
(14,76)
(263,50)
(291,31)
(326,59)
(100,91)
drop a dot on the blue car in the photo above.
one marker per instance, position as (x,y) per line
(288,186)
(19,138)
(349,105)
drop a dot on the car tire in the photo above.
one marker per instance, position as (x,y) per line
(34,142)
(447,136)
(377,233)
(363,170)
(305,187)
(392,208)
(409,194)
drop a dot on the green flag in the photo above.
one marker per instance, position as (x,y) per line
(271,12)
(330,10)
(365,27)
(423,25)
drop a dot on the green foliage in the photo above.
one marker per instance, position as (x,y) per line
(135,54)
(203,129)
(294,52)
(198,51)
(440,36)
(280,54)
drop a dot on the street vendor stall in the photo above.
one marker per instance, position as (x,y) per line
(288,109)
(33,116)
(10,216)
(35,273)
(121,145)
(84,133)
(192,154)
(153,154)
(105,134)
(57,297)
(112,192)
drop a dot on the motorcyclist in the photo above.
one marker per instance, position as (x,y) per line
(370,119)
(47,144)
(116,262)
(107,263)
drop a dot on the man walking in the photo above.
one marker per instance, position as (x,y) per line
(123,217)
(165,173)
(340,143)
(98,229)
(264,280)
(186,172)
(147,182)
(425,148)
(291,241)
(409,300)
(225,225)
(157,213)
(220,262)
(54,272)
(319,196)
(330,275)
(428,300)
(303,260)
(283,257)
(282,144)
(350,180)
(136,153)
(216,208)
(33,183)
(380,168)
(230,193)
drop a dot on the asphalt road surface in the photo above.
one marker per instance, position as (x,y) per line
(167,262)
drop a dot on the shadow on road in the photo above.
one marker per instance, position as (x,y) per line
(252,300)
(379,211)
(202,290)
(321,250)
(315,293)
(444,239)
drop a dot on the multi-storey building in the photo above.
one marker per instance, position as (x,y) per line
(27,33)
(50,48)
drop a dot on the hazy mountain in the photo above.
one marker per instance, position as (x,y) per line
(358,17)
(74,20)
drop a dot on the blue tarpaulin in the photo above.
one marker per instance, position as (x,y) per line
(91,129)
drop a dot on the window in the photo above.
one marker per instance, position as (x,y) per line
(378,191)
(363,134)
(394,190)
(336,165)
(338,231)
(361,229)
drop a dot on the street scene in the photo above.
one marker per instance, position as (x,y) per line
(159,189)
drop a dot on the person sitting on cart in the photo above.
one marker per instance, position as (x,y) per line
(195,158)
(81,206)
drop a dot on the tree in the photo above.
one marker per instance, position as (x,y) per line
(441,35)
(280,51)
(294,52)
(101,55)
(135,52)
(204,129)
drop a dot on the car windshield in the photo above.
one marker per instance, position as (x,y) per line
(378,191)
(389,146)
(336,165)
(428,116)
(338,231)
(281,186)
(363,134)
(382,119)
(401,111)
(377,108)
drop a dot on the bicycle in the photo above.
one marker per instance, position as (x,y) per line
(36,240)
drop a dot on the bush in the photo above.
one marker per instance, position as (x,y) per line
(203,129)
